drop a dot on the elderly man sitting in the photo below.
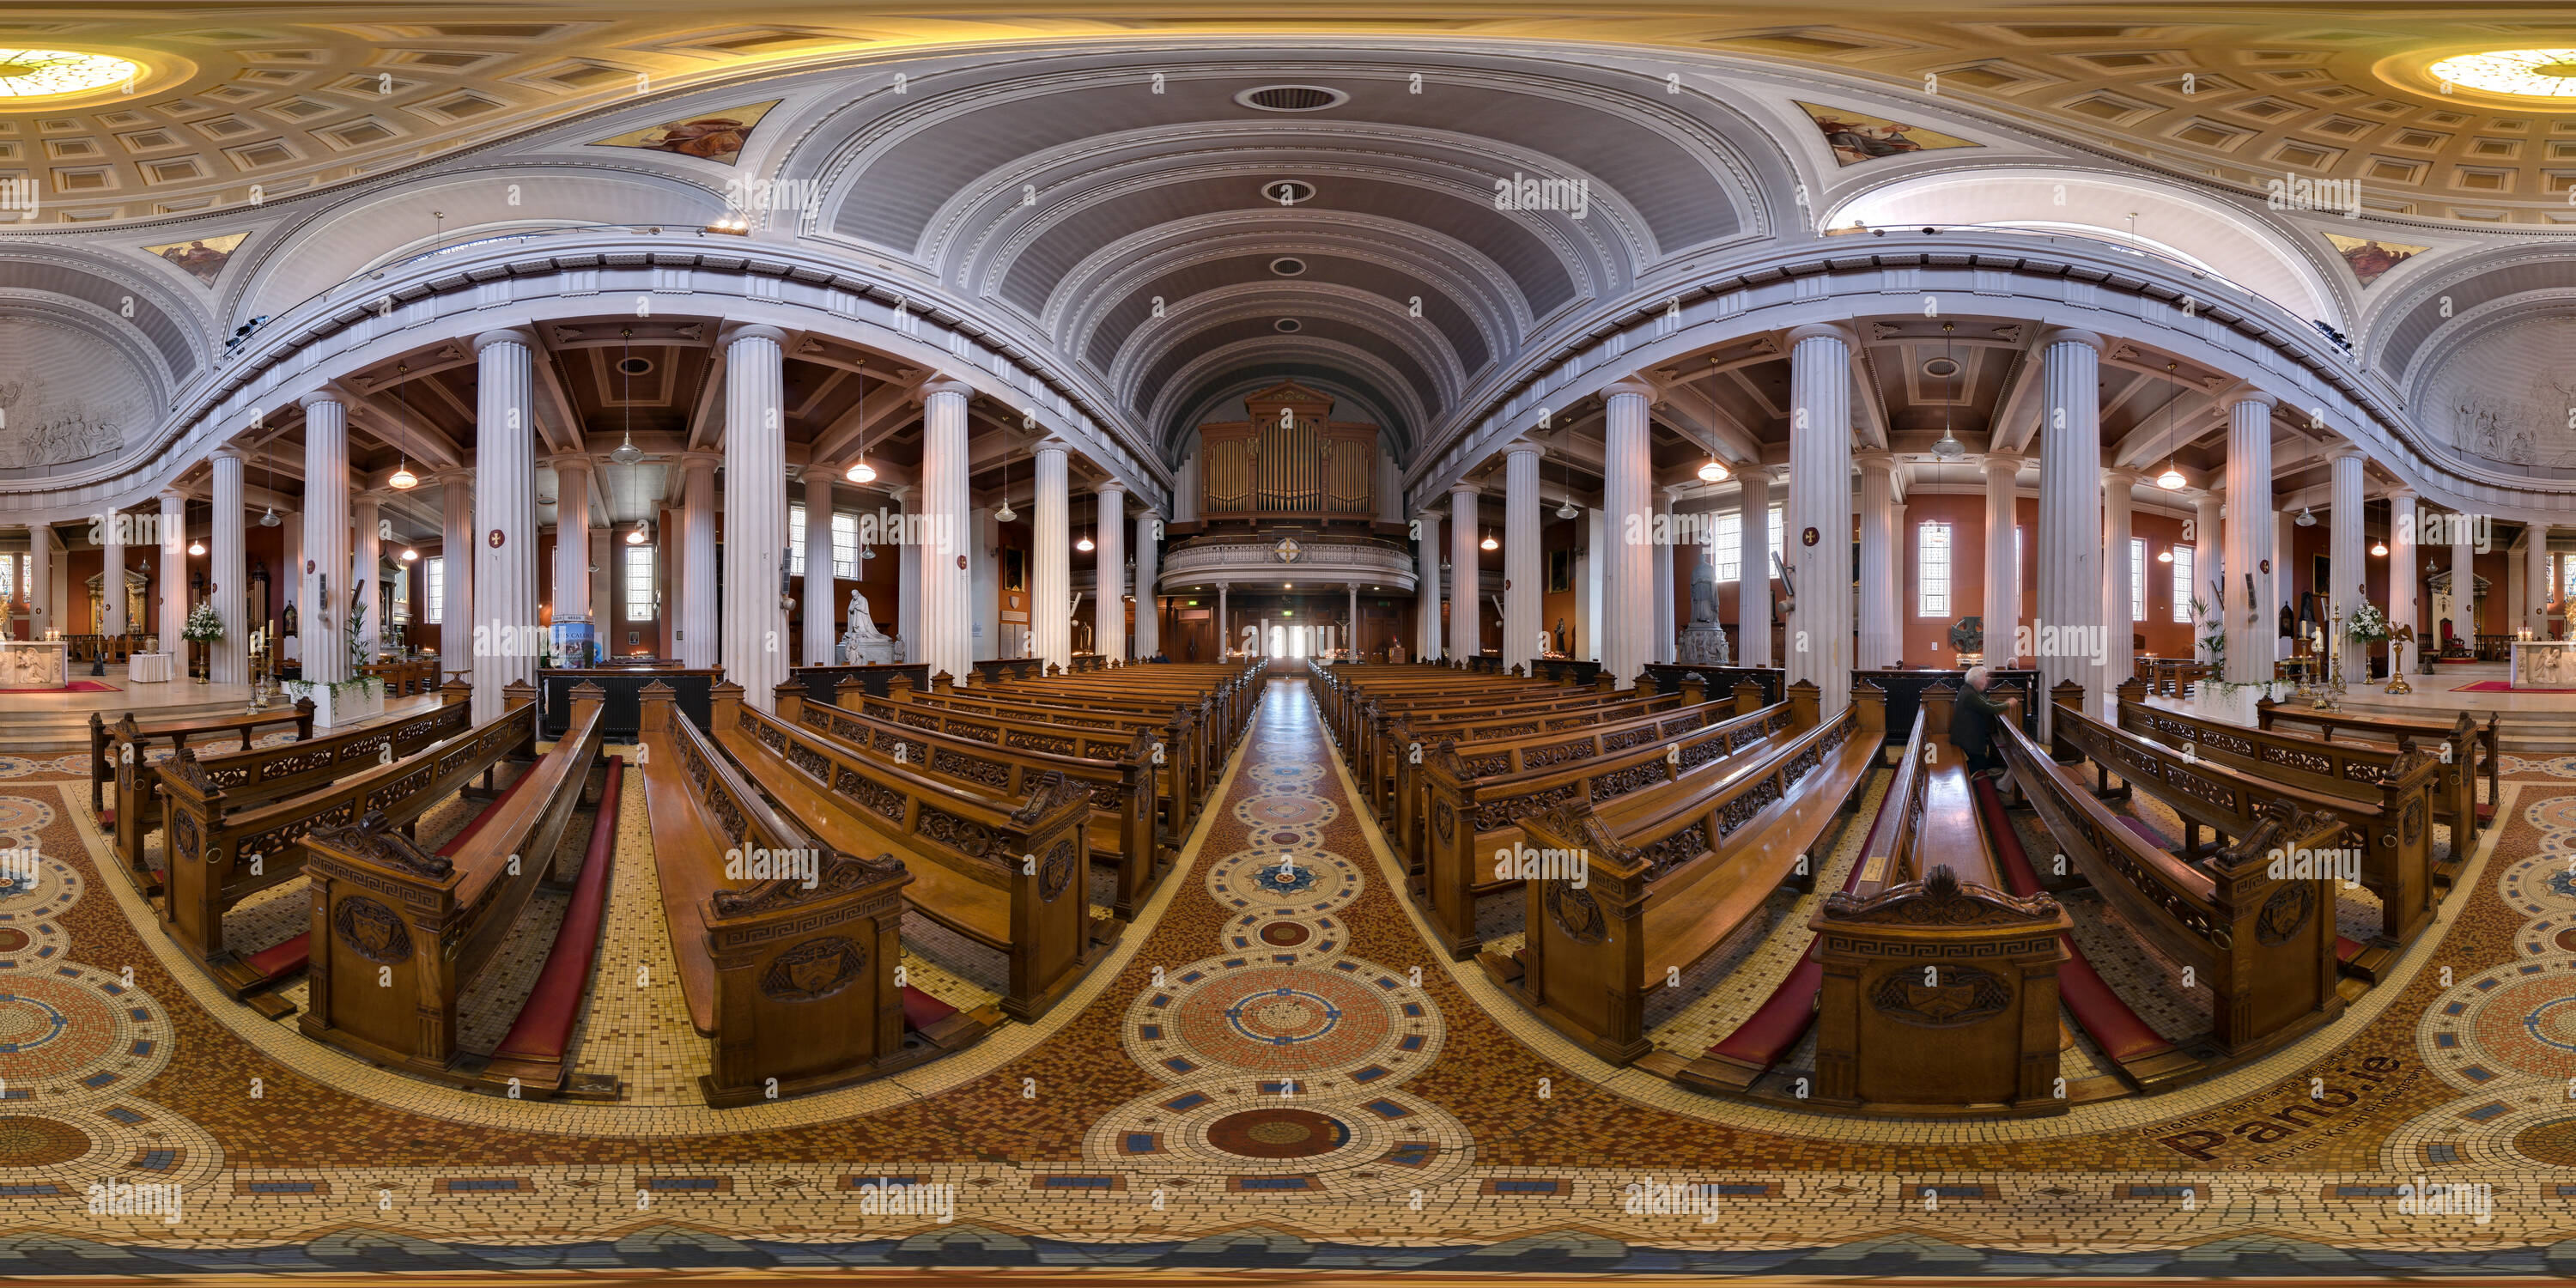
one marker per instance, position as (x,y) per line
(1972,724)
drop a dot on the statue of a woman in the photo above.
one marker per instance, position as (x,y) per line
(861,625)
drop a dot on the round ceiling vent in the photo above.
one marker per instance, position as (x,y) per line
(634,366)
(1292,98)
(1287,192)
(1941,368)
(1286,324)
(1288,266)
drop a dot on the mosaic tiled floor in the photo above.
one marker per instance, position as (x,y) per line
(1272,1070)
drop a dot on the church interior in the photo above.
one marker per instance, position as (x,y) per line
(1657,643)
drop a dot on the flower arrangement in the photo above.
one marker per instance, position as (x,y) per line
(361,649)
(203,626)
(2367,624)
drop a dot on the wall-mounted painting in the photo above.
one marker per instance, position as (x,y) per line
(1015,570)
(1858,136)
(709,136)
(2368,259)
(203,257)
(1560,571)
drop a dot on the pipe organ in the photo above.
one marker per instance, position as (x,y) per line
(1289,460)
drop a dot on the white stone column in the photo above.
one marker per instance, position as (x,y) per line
(946,609)
(2401,577)
(697,584)
(2002,607)
(111,582)
(366,564)
(1880,644)
(1628,478)
(1224,622)
(2535,577)
(1820,502)
(2208,562)
(987,578)
(456,570)
(1521,578)
(1463,580)
(572,547)
(1426,557)
(509,639)
(2067,628)
(173,575)
(324,609)
(822,608)
(1896,571)
(2120,628)
(1149,600)
(40,581)
(1753,552)
(1590,568)
(2344,545)
(1109,582)
(1351,626)
(907,579)
(2253,626)
(1661,648)
(228,661)
(1051,570)
(753,646)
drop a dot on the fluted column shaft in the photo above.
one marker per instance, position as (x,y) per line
(1820,501)
(323,627)
(1659,648)
(1753,585)
(1521,583)
(572,544)
(698,632)
(508,641)
(822,608)
(907,580)
(1224,639)
(1426,557)
(456,569)
(2120,628)
(1879,644)
(1051,577)
(2002,607)
(2535,580)
(1109,581)
(1149,608)
(2401,577)
(1463,579)
(753,645)
(229,660)
(1351,626)
(2208,564)
(111,582)
(947,608)
(2252,629)
(173,574)
(366,564)
(2343,553)
(40,581)
(2067,628)
(1628,476)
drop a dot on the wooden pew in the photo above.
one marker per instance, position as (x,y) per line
(1121,791)
(1938,991)
(2352,769)
(398,933)
(2392,828)
(219,855)
(795,986)
(1004,872)
(266,773)
(1180,725)
(1388,736)
(1671,871)
(404,676)
(1222,696)
(2468,753)
(129,733)
(2264,945)
(1474,807)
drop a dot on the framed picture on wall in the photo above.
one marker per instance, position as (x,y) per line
(1015,570)
(1560,571)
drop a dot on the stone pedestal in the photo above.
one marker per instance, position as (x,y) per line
(1703,644)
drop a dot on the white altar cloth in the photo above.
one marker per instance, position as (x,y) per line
(147,668)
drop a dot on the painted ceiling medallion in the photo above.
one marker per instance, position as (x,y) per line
(2530,73)
(716,136)
(44,73)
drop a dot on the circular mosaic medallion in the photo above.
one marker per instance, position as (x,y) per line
(1304,880)
(43,892)
(1286,811)
(27,1140)
(23,819)
(2566,940)
(2539,886)
(21,766)
(1284,934)
(1283,939)
(75,1034)
(2513,1021)
(1347,1022)
(2553,1143)
(1278,1133)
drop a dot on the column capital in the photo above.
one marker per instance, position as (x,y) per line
(228,452)
(1108,486)
(2244,393)
(2007,464)
(1464,488)
(1841,331)
(327,395)
(1632,383)
(2121,476)
(505,335)
(732,331)
(943,383)
(2346,452)
(1756,471)
(1055,445)
(2401,493)
(2074,335)
(700,460)
(454,476)
(170,496)
(1875,459)
(1523,447)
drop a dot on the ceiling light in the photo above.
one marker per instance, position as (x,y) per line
(636,536)
(1084,545)
(403,479)
(2165,555)
(1006,513)
(270,519)
(196,547)
(627,453)
(42,73)
(1489,543)
(2171,479)
(2307,518)
(862,472)
(1949,448)
(2379,549)
(1565,509)
(2531,73)
(409,554)
(1712,472)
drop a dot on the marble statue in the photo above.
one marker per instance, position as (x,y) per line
(1703,641)
(1703,593)
(862,643)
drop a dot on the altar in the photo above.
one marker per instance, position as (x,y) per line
(35,664)
(2544,664)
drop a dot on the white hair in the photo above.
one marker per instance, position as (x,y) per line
(1977,678)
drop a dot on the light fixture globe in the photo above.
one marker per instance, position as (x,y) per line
(1489,543)
(1712,471)
(1005,514)
(270,519)
(2165,556)
(410,555)
(2171,480)
(1949,448)
(627,453)
(2379,549)
(403,479)
(196,547)
(1565,509)
(861,472)
(1084,545)
(2307,518)
(635,535)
